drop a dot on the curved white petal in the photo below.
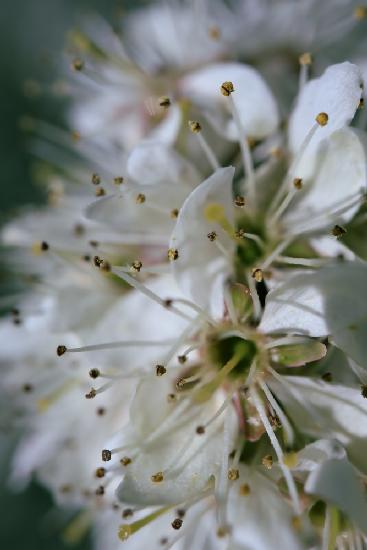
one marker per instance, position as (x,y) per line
(338,177)
(255,103)
(201,265)
(337,92)
(330,302)
(191,460)
(336,482)
(338,412)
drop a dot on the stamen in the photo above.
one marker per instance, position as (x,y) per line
(227,89)
(195,128)
(305,61)
(279,412)
(126,530)
(113,345)
(150,294)
(275,444)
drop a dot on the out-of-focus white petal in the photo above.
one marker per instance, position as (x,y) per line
(339,413)
(254,101)
(337,92)
(339,175)
(336,482)
(201,265)
(330,302)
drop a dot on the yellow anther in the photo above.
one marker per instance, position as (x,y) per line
(164,102)
(296,523)
(233,474)
(194,126)
(77,64)
(160,370)
(245,490)
(172,254)
(100,192)
(290,460)
(267,461)
(240,201)
(174,213)
(257,274)
(227,88)
(298,183)
(214,32)
(100,472)
(118,180)
(360,12)
(305,58)
(140,199)
(125,461)
(338,231)
(96,180)
(124,532)
(136,266)
(322,119)
(157,478)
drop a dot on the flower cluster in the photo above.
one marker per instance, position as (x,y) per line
(188,366)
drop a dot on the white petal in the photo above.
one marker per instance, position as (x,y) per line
(337,92)
(201,266)
(154,163)
(339,412)
(339,175)
(252,96)
(261,517)
(200,455)
(330,302)
(336,482)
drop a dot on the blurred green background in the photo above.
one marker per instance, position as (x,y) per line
(32,38)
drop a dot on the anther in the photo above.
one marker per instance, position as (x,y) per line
(177,523)
(105,266)
(257,274)
(171,398)
(233,474)
(94,373)
(338,231)
(194,126)
(101,411)
(361,103)
(60,350)
(136,266)
(298,183)
(91,394)
(267,461)
(182,359)
(97,261)
(157,478)
(227,88)
(322,119)
(245,490)
(96,180)
(127,513)
(163,541)
(77,64)
(168,302)
(296,523)
(86,258)
(119,180)
(140,199)
(223,531)
(100,472)
(360,12)
(212,236)
(106,455)
(79,229)
(174,213)
(125,461)
(27,388)
(124,532)
(305,58)
(200,430)
(214,32)
(100,192)
(160,370)
(181,512)
(364,391)
(100,490)
(172,254)
(164,102)
(44,246)
(93,243)
(240,201)
(327,377)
